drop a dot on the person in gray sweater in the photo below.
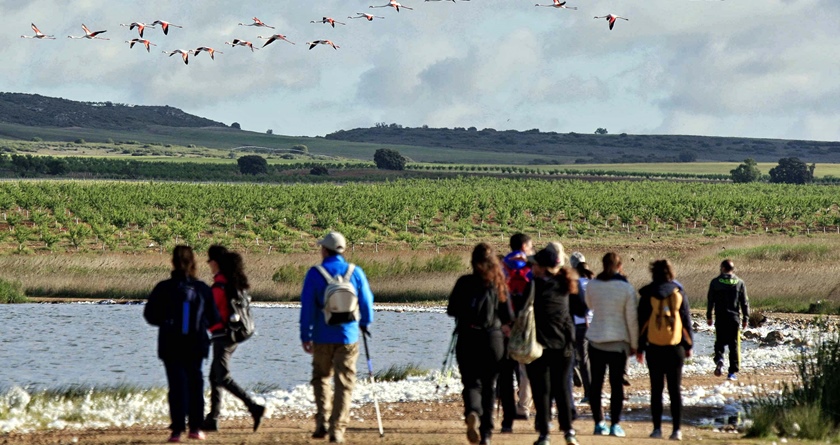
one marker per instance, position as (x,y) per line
(613,336)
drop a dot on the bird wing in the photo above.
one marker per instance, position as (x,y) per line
(35,28)
(85,29)
(269,41)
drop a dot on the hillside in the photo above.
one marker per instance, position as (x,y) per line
(535,146)
(41,111)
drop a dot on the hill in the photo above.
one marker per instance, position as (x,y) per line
(534,146)
(41,111)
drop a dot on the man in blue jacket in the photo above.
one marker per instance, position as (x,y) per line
(334,347)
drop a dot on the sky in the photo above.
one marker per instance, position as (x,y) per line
(752,68)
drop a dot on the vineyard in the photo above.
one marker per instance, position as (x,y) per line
(406,214)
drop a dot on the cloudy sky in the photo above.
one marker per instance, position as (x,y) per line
(758,68)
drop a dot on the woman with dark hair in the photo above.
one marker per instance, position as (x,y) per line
(664,309)
(228,279)
(183,309)
(550,375)
(479,302)
(613,336)
(578,262)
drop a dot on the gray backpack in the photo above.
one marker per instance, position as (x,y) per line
(341,302)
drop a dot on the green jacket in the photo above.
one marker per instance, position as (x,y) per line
(728,298)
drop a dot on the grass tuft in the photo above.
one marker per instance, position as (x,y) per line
(397,373)
(11,292)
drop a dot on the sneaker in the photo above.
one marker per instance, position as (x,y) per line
(732,376)
(473,422)
(656,434)
(257,412)
(617,431)
(337,438)
(676,435)
(197,435)
(484,441)
(584,401)
(719,369)
(174,438)
(571,439)
(543,440)
(525,416)
(320,433)
(601,429)
(210,424)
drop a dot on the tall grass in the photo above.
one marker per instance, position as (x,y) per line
(810,407)
(294,273)
(11,292)
(781,252)
(396,373)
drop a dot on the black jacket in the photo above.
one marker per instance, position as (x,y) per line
(161,303)
(661,291)
(465,288)
(728,298)
(553,312)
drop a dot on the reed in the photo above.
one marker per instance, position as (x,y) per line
(396,373)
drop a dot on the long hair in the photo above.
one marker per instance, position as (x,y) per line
(612,266)
(567,280)
(216,252)
(662,271)
(232,268)
(486,265)
(583,270)
(183,261)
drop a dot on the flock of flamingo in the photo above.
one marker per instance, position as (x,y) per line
(185,53)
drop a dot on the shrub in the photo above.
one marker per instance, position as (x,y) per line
(79,141)
(397,373)
(319,170)
(252,165)
(11,292)
(387,159)
(37,139)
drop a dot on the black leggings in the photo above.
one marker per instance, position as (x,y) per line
(549,376)
(599,360)
(665,363)
(479,354)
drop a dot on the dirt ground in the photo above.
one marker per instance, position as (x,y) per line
(422,423)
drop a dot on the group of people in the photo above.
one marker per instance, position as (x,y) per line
(584,322)
(591,323)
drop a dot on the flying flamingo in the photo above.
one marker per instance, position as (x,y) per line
(38,34)
(558,4)
(315,43)
(140,27)
(611,18)
(258,23)
(146,43)
(328,20)
(453,1)
(241,43)
(164,25)
(273,38)
(208,50)
(185,54)
(392,4)
(89,35)
(369,17)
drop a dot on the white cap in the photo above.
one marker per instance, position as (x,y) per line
(576,259)
(558,249)
(334,241)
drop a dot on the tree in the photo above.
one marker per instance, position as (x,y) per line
(792,171)
(687,156)
(236,126)
(301,147)
(601,131)
(252,165)
(746,172)
(269,131)
(387,159)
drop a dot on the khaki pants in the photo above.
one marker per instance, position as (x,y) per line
(523,406)
(326,359)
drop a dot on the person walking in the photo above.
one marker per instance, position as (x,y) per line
(665,336)
(183,309)
(613,336)
(578,263)
(728,299)
(517,274)
(550,375)
(479,302)
(333,341)
(228,280)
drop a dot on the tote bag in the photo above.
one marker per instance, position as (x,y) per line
(522,345)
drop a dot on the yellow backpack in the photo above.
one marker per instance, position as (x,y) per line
(664,327)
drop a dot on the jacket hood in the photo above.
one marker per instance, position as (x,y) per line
(661,290)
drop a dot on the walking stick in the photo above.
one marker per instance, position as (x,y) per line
(447,362)
(372,383)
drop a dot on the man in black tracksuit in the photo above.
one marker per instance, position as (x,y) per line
(728,298)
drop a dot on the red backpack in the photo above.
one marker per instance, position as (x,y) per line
(517,279)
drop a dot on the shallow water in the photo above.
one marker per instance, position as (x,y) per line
(58,345)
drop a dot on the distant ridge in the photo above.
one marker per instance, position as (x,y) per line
(41,111)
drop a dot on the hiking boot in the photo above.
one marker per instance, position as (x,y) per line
(732,376)
(625,382)
(473,422)
(601,429)
(543,440)
(719,369)
(337,437)
(197,435)
(571,438)
(174,438)
(507,430)
(210,424)
(617,431)
(656,434)
(257,412)
(320,433)
(676,435)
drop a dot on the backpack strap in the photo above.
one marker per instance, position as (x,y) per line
(330,279)
(350,269)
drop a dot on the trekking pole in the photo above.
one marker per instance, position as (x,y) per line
(372,383)
(447,362)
